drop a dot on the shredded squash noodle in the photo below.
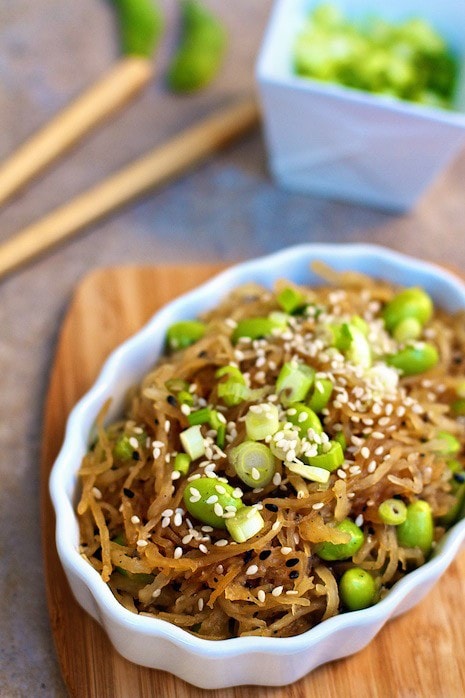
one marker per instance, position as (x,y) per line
(284,439)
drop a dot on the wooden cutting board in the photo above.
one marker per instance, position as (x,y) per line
(418,655)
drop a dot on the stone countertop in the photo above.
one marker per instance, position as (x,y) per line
(231,209)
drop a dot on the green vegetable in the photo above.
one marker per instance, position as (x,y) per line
(450,444)
(309,472)
(458,489)
(407,60)
(330,459)
(123,450)
(322,391)
(209,500)
(253,462)
(233,390)
(141,26)
(200,53)
(255,328)
(414,359)
(342,551)
(458,407)
(357,589)
(182,462)
(193,442)
(293,382)
(304,418)
(341,439)
(351,340)
(409,328)
(417,531)
(261,421)
(291,300)
(184,333)
(392,512)
(412,303)
(245,524)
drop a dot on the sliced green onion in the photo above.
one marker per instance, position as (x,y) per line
(322,391)
(261,421)
(360,323)
(193,442)
(233,390)
(231,372)
(290,299)
(280,319)
(182,463)
(245,524)
(254,328)
(329,460)
(184,333)
(392,512)
(253,462)
(309,472)
(201,416)
(294,381)
(174,385)
(184,397)
(351,340)
(304,418)
(122,450)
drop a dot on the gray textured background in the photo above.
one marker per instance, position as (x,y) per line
(229,209)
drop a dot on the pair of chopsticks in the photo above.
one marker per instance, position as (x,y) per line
(128,77)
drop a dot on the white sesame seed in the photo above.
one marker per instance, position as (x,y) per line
(185,409)
(318,505)
(341,474)
(377,435)
(96,492)
(206,529)
(253,569)
(222,542)
(277,591)
(292,592)
(365,452)
(167,426)
(156,593)
(255,474)
(220,489)
(275,526)
(135,520)
(237,493)
(218,509)
(261,596)
(167,512)
(203,548)
(156,453)
(286,550)
(359,520)
(187,539)
(177,553)
(371,466)
(177,519)
(133,442)
(165,522)
(142,543)
(157,444)
(176,474)
(212,499)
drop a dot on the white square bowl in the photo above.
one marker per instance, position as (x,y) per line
(342,143)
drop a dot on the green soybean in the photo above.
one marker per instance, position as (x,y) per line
(417,531)
(141,25)
(342,551)
(201,49)
(414,359)
(411,303)
(407,329)
(207,498)
(357,589)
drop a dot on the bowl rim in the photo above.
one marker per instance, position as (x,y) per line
(62,473)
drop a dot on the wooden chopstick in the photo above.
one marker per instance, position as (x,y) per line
(96,104)
(161,164)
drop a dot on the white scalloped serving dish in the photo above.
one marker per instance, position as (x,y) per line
(250,660)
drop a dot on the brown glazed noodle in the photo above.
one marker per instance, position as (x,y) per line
(402,437)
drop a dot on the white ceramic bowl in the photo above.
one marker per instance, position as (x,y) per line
(249,660)
(333,141)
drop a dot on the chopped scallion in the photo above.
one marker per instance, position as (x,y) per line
(253,462)
(322,391)
(254,328)
(261,421)
(294,381)
(329,460)
(290,299)
(182,462)
(304,418)
(245,524)
(193,442)
(184,333)
(309,472)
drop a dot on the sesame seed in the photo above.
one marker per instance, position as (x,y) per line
(133,442)
(185,409)
(237,493)
(220,489)
(156,453)
(286,550)
(318,505)
(177,519)
(206,529)
(365,452)
(203,548)
(222,542)
(371,466)
(379,450)
(253,569)
(142,543)
(261,596)
(277,591)
(176,474)
(187,539)
(156,593)
(177,553)
(220,569)
(212,499)
(165,522)
(292,592)
(377,435)
(135,520)
(167,512)
(218,509)
(96,492)
(275,526)
(341,474)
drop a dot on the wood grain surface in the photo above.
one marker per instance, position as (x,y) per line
(419,655)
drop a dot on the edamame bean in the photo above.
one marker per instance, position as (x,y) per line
(414,359)
(201,50)
(409,328)
(207,498)
(450,445)
(357,589)
(342,551)
(411,303)
(417,531)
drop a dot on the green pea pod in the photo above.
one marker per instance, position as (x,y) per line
(417,530)
(141,25)
(201,50)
